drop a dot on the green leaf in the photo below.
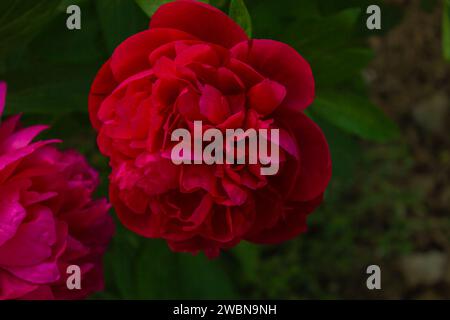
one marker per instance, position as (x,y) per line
(120,261)
(51,76)
(327,33)
(204,278)
(58,45)
(248,256)
(355,114)
(346,153)
(446,29)
(150,6)
(139,268)
(119,20)
(428,5)
(221,4)
(21,20)
(119,264)
(239,13)
(333,67)
(47,89)
(163,274)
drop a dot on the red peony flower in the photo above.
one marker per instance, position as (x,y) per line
(196,64)
(48,220)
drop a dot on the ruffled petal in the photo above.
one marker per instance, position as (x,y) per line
(104,83)
(315,160)
(201,20)
(145,224)
(281,63)
(37,235)
(291,223)
(266,96)
(13,288)
(11,213)
(21,138)
(132,55)
(213,105)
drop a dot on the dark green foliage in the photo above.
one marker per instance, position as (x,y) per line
(337,54)
(239,13)
(20,20)
(446,29)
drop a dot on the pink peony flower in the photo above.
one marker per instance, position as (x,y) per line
(48,219)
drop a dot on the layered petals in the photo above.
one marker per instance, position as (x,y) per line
(279,62)
(196,65)
(315,160)
(201,20)
(48,219)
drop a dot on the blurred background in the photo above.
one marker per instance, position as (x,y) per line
(383,100)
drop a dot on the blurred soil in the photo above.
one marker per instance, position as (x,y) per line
(410,80)
(389,204)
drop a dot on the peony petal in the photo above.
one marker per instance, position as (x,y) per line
(266,96)
(92,281)
(187,104)
(220,225)
(47,271)
(236,194)
(201,20)
(42,273)
(281,63)
(41,293)
(11,214)
(201,53)
(132,55)
(21,138)
(37,236)
(145,224)
(16,155)
(315,160)
(198,216)
(213,105)
(247,74)
(268,209)
(13,288)
(8,126)
(194,177)
(104,83)
(75,249)
(292,222)
(228,82)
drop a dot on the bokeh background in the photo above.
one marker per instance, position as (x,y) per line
(383,100)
